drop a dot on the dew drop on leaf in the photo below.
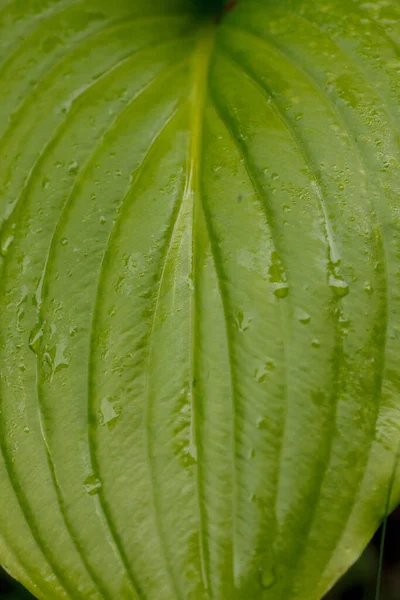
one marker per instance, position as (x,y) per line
(60,360)
(35,338)
(92,485)
(262,423)
(73,168)
(5,242)
(302,316)
(338,286)
(261,373)
(368,288)
(278,277)
(251,453)
(281,290)
(109,412)
(242,322)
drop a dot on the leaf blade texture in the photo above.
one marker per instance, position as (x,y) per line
(199,303)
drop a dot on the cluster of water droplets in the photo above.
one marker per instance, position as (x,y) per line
(277,276)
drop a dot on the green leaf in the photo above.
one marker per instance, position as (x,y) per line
(200,295)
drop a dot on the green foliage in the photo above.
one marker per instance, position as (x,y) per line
(199,333)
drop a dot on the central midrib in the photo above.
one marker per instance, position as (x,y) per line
(192,195)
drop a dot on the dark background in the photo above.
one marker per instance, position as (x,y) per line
(358,584)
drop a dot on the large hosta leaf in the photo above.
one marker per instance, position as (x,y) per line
(200,294)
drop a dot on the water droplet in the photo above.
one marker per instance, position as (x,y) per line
(6,240)
(343,319)
(251,454)
(277,277)
(190,283)
(302,316)
(316,343)
(47,364)
(192,449)
(109,412)
(64,241)
(242,322)
(65,108)
(262,423)
(60,360)
(92,485)
(339,287)
(102,219)
(368,288)
(35,339)
(281,290)
(262,372)
(260,375)
(73,167)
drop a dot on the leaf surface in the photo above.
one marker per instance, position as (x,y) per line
(199,295)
